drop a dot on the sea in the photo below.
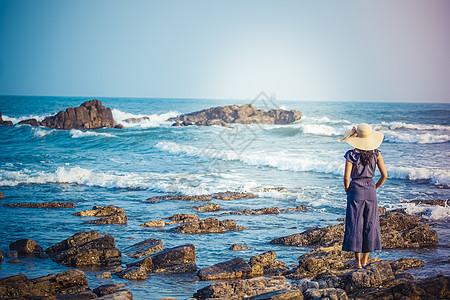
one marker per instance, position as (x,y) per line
(124,167)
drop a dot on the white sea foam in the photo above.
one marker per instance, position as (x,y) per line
(431,212)
(436,176)
(18,119)
(143,121)
(326,120)
(401,125)
(319,129)
(39,133)
(75,133)
(422,138)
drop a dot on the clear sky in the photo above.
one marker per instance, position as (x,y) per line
(381,50)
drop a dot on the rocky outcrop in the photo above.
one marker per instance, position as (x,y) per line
(1,255)
(66,283)
(86,249)
(154,223)
(266,211)
(398,230)
(207,207)
(6,123)
(210,225)
(179,259)
(194,198)
(297,208)
(327,293)
(182,218)
(89,115)
(242,289)
(245,114)
(112,292)
(267,264)
(144,248)
(42,205)
(439,202)
(232,269)
(108,215)
(228,195)
(133,273)
(27,247)
(238,247)
(373,275)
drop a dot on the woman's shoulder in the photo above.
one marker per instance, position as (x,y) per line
(352,155)
(377,152)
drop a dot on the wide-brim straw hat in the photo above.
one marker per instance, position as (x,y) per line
(363,137)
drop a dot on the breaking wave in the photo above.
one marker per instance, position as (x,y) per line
(422,138)
(143,121)
(75,133)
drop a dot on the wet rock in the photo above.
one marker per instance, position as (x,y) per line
(228,195)
(89,115)
(439,202)
(2,196)
(109,215)
(245,114)
(400,265)
(297,208)
(12,254)
(194,198)
(144,248)
(106,274)
(136,120)
(68,282)
(101,251)
(134,273)
(381,211)
(328,293)
(279,295)
(14,261)
(210,225)
(41,205)
(435,287)
(183,218)
(243,288)
(154,223)
(6,123)
(107,289)
(270,189)
(1,255)
(207,207)
(172,260)
(265,259)
(398,230)
(238,247)
(235,268)
(260,211)
(27,247)
(119,295)
(268,264)
(373,275)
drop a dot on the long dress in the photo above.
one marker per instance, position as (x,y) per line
(362,224)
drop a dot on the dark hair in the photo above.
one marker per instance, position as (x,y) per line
(366,156)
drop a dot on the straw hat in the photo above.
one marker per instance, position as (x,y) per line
(363,137)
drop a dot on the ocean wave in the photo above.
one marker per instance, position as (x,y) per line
(423,138)
(431,212)
(18,119)
(316,129)
(326,120)
(143,121)
(39,133)
(328,165)
(401,125)
(75,133)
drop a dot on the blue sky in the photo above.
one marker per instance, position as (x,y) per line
(383,50)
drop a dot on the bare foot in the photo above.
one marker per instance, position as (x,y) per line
(363,263)
(357,265)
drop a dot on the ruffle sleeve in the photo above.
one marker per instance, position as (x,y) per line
(351,156)
(377,152)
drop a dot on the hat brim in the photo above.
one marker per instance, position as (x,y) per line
(368,143)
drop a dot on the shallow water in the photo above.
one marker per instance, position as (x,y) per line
(125,167)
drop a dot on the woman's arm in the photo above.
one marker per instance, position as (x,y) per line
(383,172)
(347,173)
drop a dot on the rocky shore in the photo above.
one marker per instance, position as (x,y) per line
(325,272)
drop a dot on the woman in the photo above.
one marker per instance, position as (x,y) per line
(362,226)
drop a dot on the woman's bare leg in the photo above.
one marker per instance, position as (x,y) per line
(358,259)
(365,258)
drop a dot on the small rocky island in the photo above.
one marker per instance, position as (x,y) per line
(235,114)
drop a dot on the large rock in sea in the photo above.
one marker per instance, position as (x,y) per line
(86,249)
(89,115)
(109,215)
(245,114)
(6,123)
(27,247)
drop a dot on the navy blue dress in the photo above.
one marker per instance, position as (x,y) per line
(362,225)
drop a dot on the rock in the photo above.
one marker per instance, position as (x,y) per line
(400,265)
(195,198)
(260,211)
(119,295)
(265,259)
(6,123)
(172,260)
(373,275)
(20,287)
(110,215)
(154,223)
(268,264)
(27,247)
(228,195)
(183,218)
(14,261)
(89,115)
(243,288)
(144,248)
(207,207)
(101,251)
(77,239)
(210,225)
(106,274)
(279,295)
(381,211)
(245,114)
(298,208)
(328,293)
(42,205)
(238,247)
(1,255)
(107,289)
(270,189)
(435,287)
(235,268)
(119,126)
(12,254)
(134,273)
(398,230)
(136,120)
(439,202)
(2,196)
